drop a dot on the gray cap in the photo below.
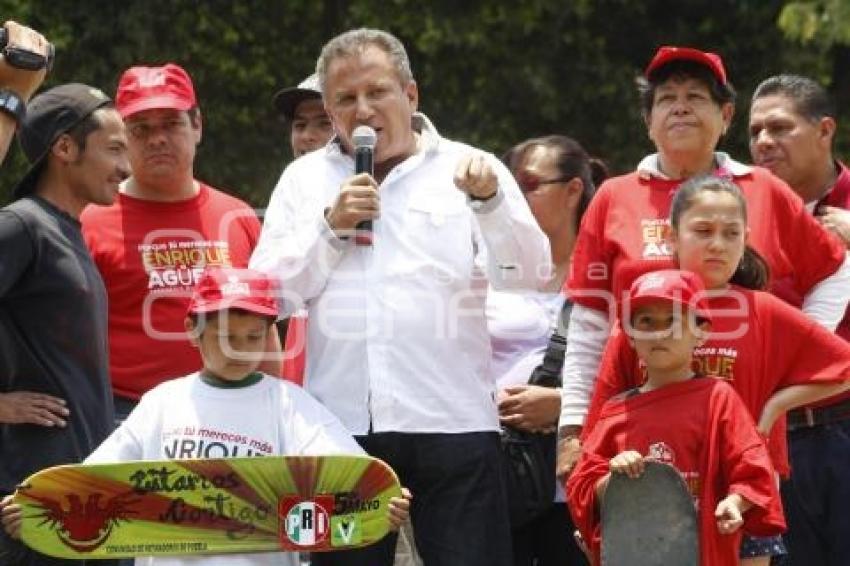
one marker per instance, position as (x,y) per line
(288,99)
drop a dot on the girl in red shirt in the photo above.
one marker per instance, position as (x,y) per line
(773,355)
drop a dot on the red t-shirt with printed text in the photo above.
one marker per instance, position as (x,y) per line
(758,344)
(150,255)
(623,235)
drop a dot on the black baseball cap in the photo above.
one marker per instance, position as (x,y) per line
(49,115)
(288,99)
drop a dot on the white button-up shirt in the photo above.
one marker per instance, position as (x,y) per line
(397,335)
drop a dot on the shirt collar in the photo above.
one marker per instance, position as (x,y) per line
(649,166)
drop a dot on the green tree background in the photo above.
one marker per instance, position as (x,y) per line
(490,73)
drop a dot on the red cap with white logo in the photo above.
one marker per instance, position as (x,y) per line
(676,286)
(228,288)
(146,88)
(668,54)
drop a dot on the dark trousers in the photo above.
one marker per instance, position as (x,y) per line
(459,511)
(817,497)
(548,540)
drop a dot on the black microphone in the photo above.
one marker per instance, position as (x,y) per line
(364,139)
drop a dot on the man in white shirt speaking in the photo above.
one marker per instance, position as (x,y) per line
(397,344)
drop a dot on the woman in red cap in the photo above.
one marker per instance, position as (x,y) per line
(687,104)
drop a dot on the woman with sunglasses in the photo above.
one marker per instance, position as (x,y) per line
(687,105)
(558,180)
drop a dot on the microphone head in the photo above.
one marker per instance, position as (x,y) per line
(364,136)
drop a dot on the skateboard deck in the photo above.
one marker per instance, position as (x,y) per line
(649,521)
(213,506)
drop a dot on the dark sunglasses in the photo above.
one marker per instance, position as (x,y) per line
(530,183)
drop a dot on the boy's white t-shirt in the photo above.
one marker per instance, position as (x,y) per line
(187,418)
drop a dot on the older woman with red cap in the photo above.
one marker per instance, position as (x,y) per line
(687,104)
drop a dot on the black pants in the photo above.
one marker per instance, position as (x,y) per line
(459,511)
(817,497)
(548,540)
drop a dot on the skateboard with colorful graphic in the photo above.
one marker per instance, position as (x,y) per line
(276,503)
(649,521)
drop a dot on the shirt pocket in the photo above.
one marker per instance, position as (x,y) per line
(437,234)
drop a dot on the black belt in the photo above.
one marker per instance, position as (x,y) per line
(806,417)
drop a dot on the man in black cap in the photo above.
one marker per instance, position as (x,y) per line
(55,398)
(301,107)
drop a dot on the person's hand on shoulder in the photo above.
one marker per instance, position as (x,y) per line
(475,176)
(23,82)
(399,509)
(26,407)
(836,220)
(358,200)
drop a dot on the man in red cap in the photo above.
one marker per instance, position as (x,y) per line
(164,229)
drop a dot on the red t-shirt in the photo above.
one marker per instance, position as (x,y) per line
(758,344)
(624,230)
(700,427)
(150,255)
(294,350)
(838,197)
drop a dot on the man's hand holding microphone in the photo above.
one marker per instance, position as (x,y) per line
(358,203)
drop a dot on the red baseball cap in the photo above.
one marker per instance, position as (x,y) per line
(669,285)
(145,88)
(222,288)
(668,54)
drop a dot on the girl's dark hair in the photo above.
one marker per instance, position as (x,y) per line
(752,271)
(681,69)
(571,161)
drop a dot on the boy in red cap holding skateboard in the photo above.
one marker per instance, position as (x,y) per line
(698,425)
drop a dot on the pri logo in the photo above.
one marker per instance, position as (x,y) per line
(305,523)
(662,452)
(84,527)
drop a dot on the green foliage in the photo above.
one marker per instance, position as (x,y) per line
(490,73)
(822,22)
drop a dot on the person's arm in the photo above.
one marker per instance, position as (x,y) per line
(807,363)
(796,396)
(827,301)
(821,269)
(20,82)
(517,251)
(22,407)
(744,465)
(298,244)
(586,339)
